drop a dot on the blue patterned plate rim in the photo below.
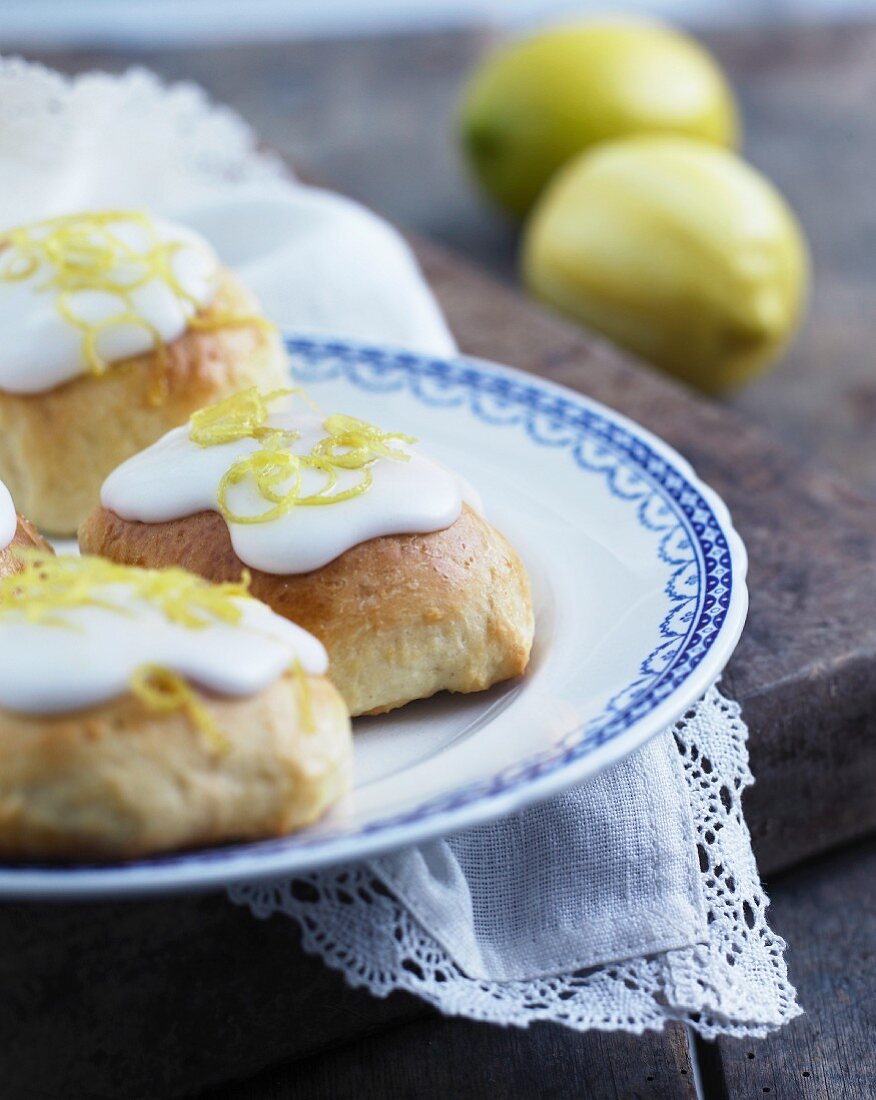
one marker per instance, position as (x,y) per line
(551,415)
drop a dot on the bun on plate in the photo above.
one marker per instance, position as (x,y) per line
(145,711)
(116,327)
(348,531)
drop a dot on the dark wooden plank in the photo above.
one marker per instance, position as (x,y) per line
(375,117)
(437,1059)
(804,92)
(827,912)
(162,998)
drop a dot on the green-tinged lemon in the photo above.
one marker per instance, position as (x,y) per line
(537,102)
(676,250)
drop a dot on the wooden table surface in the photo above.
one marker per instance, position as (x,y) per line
(374,116)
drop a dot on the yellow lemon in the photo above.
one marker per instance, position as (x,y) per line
(674,249)
(537,102)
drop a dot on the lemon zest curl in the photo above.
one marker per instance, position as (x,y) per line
(83,252)
(278,472)
(47,586)
(164,691)
(244,415)
(305,697)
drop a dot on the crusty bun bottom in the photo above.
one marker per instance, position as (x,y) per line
(402,616)
(57,447)
(120,781)
(26,537)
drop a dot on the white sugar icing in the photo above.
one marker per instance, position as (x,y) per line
(43,349)
(51,669)
(176,477)
(8,518)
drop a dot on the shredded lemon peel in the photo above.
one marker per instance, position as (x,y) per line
(243,415)
(305,697)
(164,691)
(81,252)
(47,586)
(278,472)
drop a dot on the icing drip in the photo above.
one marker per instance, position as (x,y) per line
(80,292)
(266,472)
(8,518)
(76,632)
(276,469)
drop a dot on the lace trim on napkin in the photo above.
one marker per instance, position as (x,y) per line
(734,984)
(96,139)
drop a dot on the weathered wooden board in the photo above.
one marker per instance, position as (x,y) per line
(165,998)
(440,1059)
(160,998)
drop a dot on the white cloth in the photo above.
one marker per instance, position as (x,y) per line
(572,912)
(568,884)
(628,901)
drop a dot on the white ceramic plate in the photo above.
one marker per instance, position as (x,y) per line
(639,586)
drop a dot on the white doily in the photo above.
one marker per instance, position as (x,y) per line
(733,983)
(95,139)
(320,263)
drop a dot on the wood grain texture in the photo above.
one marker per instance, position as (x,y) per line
(162,998)
(827,912)
(803,93)
(165,998)
(441,1059)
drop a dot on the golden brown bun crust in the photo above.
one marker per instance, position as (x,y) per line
(402,617)
(26,537)
(57,447)
(120,781)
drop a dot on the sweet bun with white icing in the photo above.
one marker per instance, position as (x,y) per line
(376,550)
(116,326)
(174,714)
(16,534)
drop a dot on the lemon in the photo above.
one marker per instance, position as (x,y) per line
(538,102)
(674,249)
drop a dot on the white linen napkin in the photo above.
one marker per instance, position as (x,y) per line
(567,884)
(324,265)
(643,878)
(628,902)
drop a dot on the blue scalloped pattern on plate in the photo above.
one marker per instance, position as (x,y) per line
(692,541)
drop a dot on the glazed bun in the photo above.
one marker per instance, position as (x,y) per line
(145,711)
(26,537)
(401,616)
(120,780)
(57,446)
